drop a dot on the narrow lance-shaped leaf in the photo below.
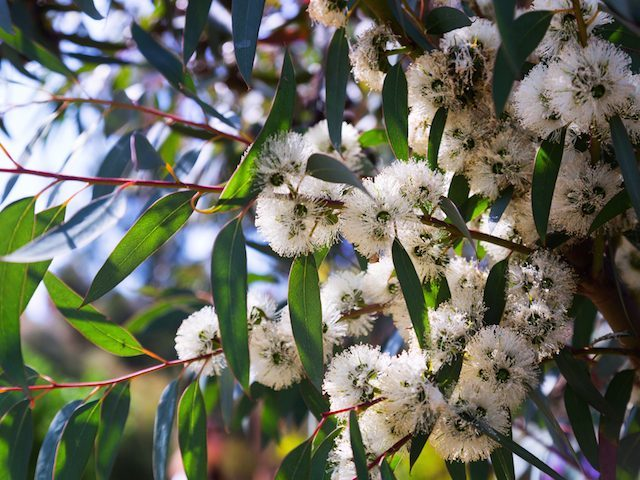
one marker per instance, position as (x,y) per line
(195,20)
(47,455)
(457,470)
(494,296)
(396,111)
(357,447)
(240,188)
(17,221)
(297,464)
(162,427)
(543,184)
(454,215)
(16,439)
(502,461)
(245,21)
(331,170)
(77,440)
(385,471)
(321,453)
(337,75)
(435,137)
(84,227)
(444,19)
(5,17)
(113,165)
(418,441)
(89,8)
(113,416)
(143,155)
(92,324)
(626,158)
(192,432)
(34,51)
(229,288)
(582,425)
(152,230)
(619,204)
(412,292)
(306,315)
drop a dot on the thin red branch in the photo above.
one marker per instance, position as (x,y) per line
(391,450)
(112,381)
(115,181)
(360,406)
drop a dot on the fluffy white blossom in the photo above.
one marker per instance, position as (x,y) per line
(368,55)
(466,282)
(260,306)
(462,141)
(198,335)
(380,284)
(501,362)
(353,376)
(532,103)
(350,150)
(419,185)
(344,290)
(282,161)
(427,247)
(412,402)
(330,13)
(334,330)
(430,84)
(450,329)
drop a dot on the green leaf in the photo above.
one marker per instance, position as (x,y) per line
(545,173)
(456,470)
(5,17)
(519,39)
(77,440)
(239,190)
(331,170)
(412,292)
(16,439)
(297,464)
(113,165)
(195,20)
(152,230)
(396,111)
(418,441)
(583,312)
(320,454)
(577,375)
(17,220)
(359,454)
(458,190)
(47,456)
(113,416)
(143,155)
(89,8)
(582,425)
(502,461)
(373,138)
(501,204)
(336,77)
(435,134)
(306,315)
(626,158)
(454,216)
(617,395)
(227,386)
(162,427)
(385,471)
(494,296)
(229,288)
(92,324)
(34,51)
(162,59)
(89,223)
(619,204)
(444,19)
(192,432)
(245,18)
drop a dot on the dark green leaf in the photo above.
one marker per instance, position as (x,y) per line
(619,204)
(77,440)
(227,386)
(502,461)
(583,312)
(245,17)
(331,170)
(89,8)
(412,292)
(152,230)
(494,296)
(297,464)
(479,470)
(165,310)
(435,134)
(396,111)
(92,324)
(543,184)
(306,315)
(5,17)
(17,220)
(84,227)
(458,190)
(195,20)
(162,428)
(113,165)
(32,50)
(315,402)
(475,206)
(337,74)
(456,470)
(626,158)
(192,432)
(500,205)
(582,425)
(47,456)
(373,138)
(418,441)
(16,439)
(454,216)
(385,471)
(357,447)
(444,19)
(577,375)
(113,416)
(320,454)
(240,188)
(229,288)
(143,155)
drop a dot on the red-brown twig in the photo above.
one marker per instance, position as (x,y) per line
(360,406)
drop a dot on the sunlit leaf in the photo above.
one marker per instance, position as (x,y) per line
(297,464)
(192,432)
(76,444)
(113,416)
(16,439)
